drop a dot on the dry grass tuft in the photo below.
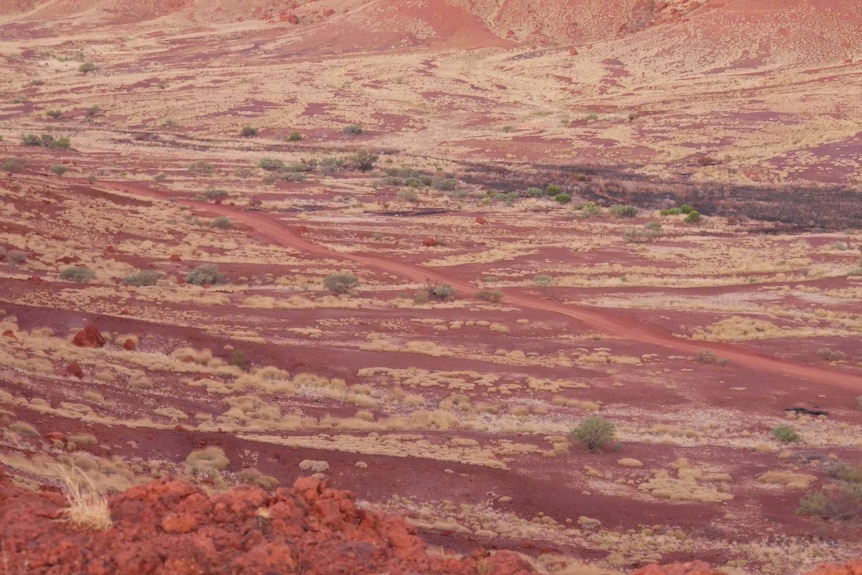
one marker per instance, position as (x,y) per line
(87,507)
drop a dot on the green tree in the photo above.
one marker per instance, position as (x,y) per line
(595,432)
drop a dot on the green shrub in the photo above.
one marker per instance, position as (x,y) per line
(143,278)
(563,198)
(543,280)
(642,235)
(590,210)
(294,137)
(670,212)
(840,246)
(553,189)
(46,141)
(206,274)
(248,132)
(693,217)
(59,169)
(351,130)
(490,295)
(623,211)
(237,359)
(830,354)
(55,114)
(444,184)
(160,177)
(340,283)
(705,356)
(16,256)
(270,164)
(201,168)
(535,192)
(686,209)
(595,432)
(92,111)
(221,223)
(77,274)
(785,434)
(214,193)
(441,292)
(86,67)
(13,165)
(408,195)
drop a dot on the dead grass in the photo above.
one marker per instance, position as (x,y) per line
(87,507)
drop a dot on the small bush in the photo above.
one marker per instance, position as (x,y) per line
(670,212)
(563,198)
(705,356)
(686,209)
(590,210)
(490,295)
(623,211)
(441,292)
(214,193)
(201,168)
(86,67)
(535,192)
(408,195)
(77,274)
(248,132)
(270,164)
(55,114)
(785,434)
(46,141)
(143,278)
(352,130)
(92,111)
(160,177)
(16,256)
(542,280)
(221,223)
(13,165)
(364,160)
(840,246)
(642,235)
(693,217)
(340,283)
(206,274)
(829,354)
(59,169)
(595,432)
(553,190)
(238,359)
(294,137)
(444,184)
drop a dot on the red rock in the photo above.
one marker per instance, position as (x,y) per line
(181,281)
(573,52)
(429,242)
(75,370)
(328,12)
(129,344)
(302,230)
(10,334)
(35,279)
(124,311)
(89,337)
(179,427)
(692,568)
(110,249)
(179,524)
(175,258)
(482,221)
(57,436)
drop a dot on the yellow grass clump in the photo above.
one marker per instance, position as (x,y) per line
(87,507)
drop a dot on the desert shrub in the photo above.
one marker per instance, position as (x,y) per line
(623,211)
(841,500)
(595,432)
(351,130)
(705,356)
(86,67)
(55,114)
(340,283)
(686,209)
(840,246)
(160,177)
(201,168)
(16,256)
(364,160)
(294,137)
(553,189)
(441,292)
(46,141)
(633,116)
(237,359)
(92,111)
(209,459)
(830,354)
(590,210)
(59,169)
(330,164)
(490,295)
(270,164)
(563,198)
(206,274)
(221,223)
(785,434)
(693,217)
(13,165)
(648,233)
(535,192)
(2,252)
(408,195)
(670,212)
(77,274)
(248,132)
(214,193)
(142,278)
(542,280)
(444,184)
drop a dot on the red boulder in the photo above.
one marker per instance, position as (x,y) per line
(89,337)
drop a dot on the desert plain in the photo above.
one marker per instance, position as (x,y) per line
(407,247)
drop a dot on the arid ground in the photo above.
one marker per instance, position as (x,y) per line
(528,157)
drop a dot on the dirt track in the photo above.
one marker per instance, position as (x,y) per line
(611,325)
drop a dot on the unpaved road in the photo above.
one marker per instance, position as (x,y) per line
(611,324)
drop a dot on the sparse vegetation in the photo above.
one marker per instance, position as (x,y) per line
(213,193)
(352,130)
(87,507)
(46,141)
(59,169)
(623,211)
(16,256)
(55,114)
(13,165)
(785,434)
(270,164)
(248,132)
(86,67)
(201,168)
(206,274)
(649,233)
(294,137)
(441,292)
(490,295)
(693,217)
(78,274)
(590,210)
(563,198)
(840,500)
(595,432)
(221,223)
(143,278)
(364,160)
(340,283)
(829,354)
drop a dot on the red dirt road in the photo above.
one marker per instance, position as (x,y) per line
(614,324)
